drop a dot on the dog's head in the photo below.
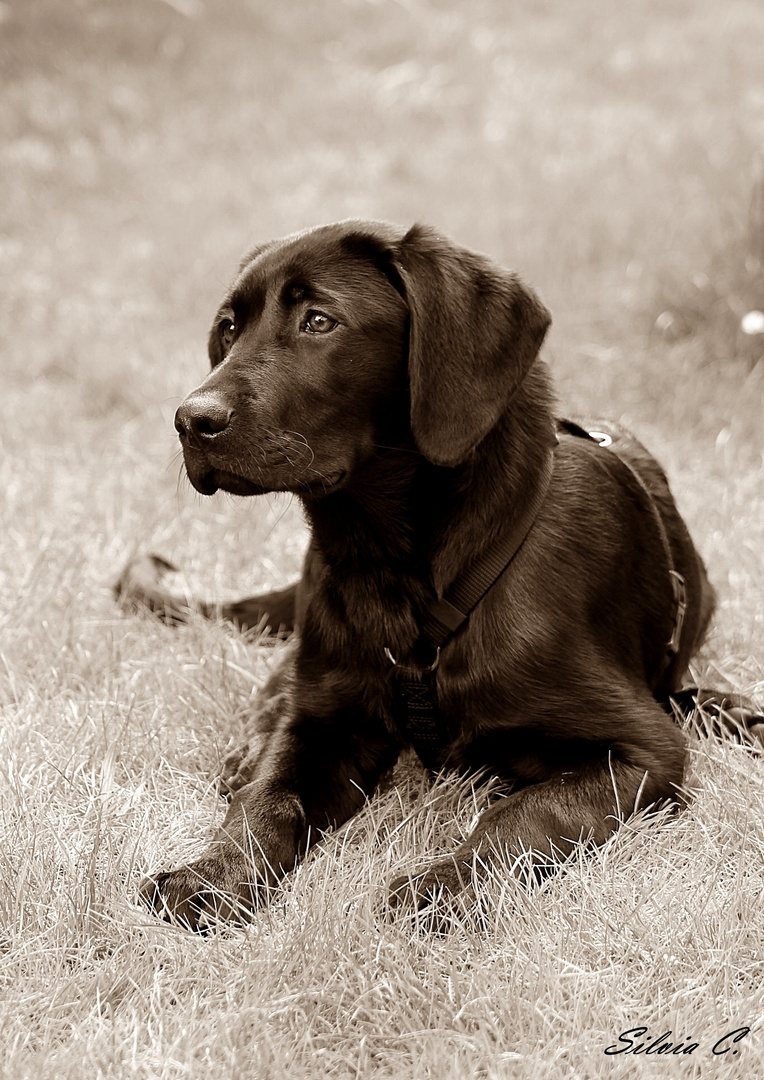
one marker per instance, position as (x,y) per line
(337,341)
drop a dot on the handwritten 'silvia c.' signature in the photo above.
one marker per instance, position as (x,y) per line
(637,1041)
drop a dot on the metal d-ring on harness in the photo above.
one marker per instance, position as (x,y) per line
(416,690)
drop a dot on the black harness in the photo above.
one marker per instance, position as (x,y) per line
(416,688)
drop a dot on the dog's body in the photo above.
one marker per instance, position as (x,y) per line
(391,380)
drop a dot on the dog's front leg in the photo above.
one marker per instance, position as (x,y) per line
(535,826)
(259,841)
(315,774)
(274,701)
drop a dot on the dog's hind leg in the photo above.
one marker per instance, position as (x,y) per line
(151,583)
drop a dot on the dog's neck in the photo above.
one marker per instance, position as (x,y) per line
(409,528)
(494,485)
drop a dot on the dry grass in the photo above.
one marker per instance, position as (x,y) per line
(144,144)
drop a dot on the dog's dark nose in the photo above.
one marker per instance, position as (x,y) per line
(201,417)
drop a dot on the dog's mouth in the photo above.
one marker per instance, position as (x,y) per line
(221,480)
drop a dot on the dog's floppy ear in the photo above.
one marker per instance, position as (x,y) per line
(475,332)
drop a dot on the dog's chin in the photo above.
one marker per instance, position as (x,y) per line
(207,483)
(213,480)
(323,485)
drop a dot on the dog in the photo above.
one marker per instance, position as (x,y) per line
(391,379)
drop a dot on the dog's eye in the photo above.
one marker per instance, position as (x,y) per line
(227,331)
(318,323)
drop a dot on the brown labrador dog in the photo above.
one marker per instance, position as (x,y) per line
(391,379)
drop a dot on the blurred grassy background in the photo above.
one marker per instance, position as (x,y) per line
(605,151)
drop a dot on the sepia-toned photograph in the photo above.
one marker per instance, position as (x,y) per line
(382,548)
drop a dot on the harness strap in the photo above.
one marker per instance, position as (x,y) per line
(416,704)
(444,615)
(416,687)
(416,691)
(569,427)
(680,600)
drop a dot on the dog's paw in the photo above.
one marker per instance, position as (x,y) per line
(146,583)
(443,881)
(750,722)
(203,894)
(240,764)
(756,729)
(746,715)
(721,713)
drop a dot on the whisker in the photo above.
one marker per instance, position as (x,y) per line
(399,449)
(173,460)
(306,444)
